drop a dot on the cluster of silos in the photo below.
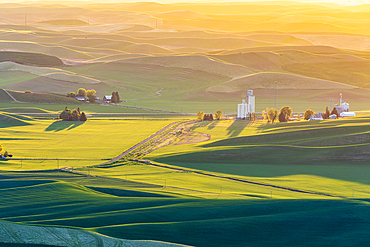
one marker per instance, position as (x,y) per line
(246,110)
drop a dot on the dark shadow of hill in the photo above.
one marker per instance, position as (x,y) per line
(7,120)
(276,161)
(64,125)
(126,193)
(298,136)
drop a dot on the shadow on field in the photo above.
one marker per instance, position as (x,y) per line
(63,125)
(237,127)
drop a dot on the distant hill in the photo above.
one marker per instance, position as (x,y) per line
(201,63)
(28,58)
(52,73)
(44,98)
(137,28)
(65,22)
(50,49)
(267,81)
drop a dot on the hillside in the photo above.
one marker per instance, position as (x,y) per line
(283,81)
(4,97)
(43,98)
(52,73)
(200,63)
(64,22)
(35,59)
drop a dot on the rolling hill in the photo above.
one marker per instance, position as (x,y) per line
(64,22)
(52,73)
(43,98)
(200,63)
(267,80)
(28,58)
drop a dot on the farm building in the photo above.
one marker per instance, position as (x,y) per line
(343,108)
(81,98)
(107,98)
(247,108)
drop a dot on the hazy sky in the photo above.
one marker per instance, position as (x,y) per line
(342,2)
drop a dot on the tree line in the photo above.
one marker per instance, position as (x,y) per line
(286,112)
(81,92)
(74,115)
(201,116)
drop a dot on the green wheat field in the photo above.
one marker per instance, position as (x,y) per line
(143,171)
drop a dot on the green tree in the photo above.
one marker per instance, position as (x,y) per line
(200,115)
(264,114)
(335,111)
(114,97)
(75,116)
(65,115)
(308,113)
(81,92)
(117,97)
(83,117)
(282,117)
(272,114)
(91,95)
(218,115)
(287,111)
(71,94)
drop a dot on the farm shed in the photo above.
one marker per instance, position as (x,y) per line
(107,98)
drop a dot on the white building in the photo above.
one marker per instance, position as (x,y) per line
(247,108)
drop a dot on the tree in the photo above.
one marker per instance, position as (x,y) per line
(118,98)
(65,115)
(200,115)
(282,117)
(72,94)
(81,92)
(91,95)
(335,111)
(327,112)
(83,117)
(287,111)
(308,113)
(265,114)
(114,97)
(75,116)
(218,115)
(272,114)
(208,117)
(68,115)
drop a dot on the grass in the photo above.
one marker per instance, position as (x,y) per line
(89,108)
(4,97)
(69,202)
(311,148)
(42,142)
